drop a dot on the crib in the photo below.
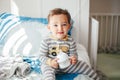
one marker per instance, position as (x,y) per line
(109,36)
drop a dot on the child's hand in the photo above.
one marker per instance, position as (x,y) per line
(73,59)
(54,63)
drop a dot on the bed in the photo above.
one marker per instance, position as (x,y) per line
(21,36)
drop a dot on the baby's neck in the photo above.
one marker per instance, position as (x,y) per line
(65,38)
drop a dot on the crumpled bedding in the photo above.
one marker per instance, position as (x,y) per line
(10,66)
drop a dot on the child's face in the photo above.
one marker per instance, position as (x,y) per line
(59,26)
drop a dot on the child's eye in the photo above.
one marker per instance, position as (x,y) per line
(64,24)
(55,25)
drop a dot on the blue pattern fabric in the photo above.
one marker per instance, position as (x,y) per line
(9,21)
(34,63)
(66,76)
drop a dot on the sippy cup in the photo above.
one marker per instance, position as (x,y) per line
(63,60)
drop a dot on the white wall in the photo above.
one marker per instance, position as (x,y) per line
(4,6)
(84,22)
(79,10)
(105,6)
(24,7)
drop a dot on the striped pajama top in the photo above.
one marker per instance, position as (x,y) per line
(51,47)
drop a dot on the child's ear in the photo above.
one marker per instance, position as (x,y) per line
(69,26)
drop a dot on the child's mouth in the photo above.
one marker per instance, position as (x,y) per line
(60,32)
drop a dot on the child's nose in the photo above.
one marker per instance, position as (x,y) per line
(60,28)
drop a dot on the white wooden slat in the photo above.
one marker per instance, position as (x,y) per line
(94,42)
(108,30)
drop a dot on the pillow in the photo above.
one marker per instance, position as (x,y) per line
(21,34)
(9,21)
(24,39)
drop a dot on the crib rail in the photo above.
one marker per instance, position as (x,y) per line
(109,32)
(93,41)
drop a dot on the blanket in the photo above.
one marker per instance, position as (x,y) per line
(10,66)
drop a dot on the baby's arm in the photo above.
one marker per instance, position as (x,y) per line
(43,56)
(73,52)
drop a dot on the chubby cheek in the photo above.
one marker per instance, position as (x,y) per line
(66,31)
(54,31)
